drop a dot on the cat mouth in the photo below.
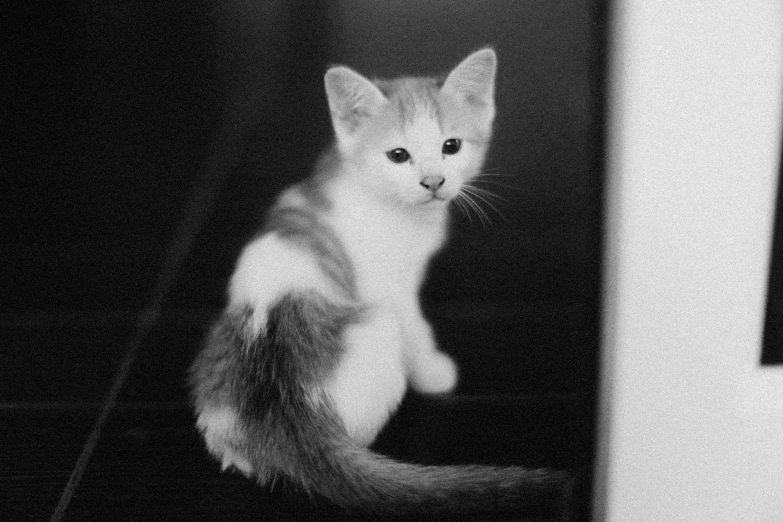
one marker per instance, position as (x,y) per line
(434,200)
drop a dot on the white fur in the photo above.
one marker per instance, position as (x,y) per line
(390,226)
(370,381)
(390,248)
(219,428)
(268,269)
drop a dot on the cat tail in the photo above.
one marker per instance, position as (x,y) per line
(369,482)
(261,412)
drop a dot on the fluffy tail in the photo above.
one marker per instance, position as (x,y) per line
(357,479)
(285,430)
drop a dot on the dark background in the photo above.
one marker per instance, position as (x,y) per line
(145,142)
(772,349)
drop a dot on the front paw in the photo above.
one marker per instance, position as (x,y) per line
(434,373)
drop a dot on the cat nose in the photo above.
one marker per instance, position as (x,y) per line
(432,183)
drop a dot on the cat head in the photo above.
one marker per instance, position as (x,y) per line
(414,141)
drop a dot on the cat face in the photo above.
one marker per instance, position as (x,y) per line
(414,141)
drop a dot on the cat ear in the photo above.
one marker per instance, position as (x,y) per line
(352,98)
(473,80)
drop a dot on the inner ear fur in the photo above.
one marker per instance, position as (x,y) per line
(352,98)
(473,80)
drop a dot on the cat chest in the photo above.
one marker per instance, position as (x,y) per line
(389,267)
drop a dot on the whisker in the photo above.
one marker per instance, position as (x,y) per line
(475,207)
(486,193)
(397,201)
(491,178)
(494,173)
(486,221)
(461,207)
(492,182)
(485,197)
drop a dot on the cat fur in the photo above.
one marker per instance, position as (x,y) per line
(323,330)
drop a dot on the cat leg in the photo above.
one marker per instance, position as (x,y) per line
(369,382)
(429,369)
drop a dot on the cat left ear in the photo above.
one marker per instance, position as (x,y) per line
(352,98)
(473,80)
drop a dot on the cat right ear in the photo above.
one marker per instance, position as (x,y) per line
(352,99)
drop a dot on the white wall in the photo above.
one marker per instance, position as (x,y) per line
(691,426)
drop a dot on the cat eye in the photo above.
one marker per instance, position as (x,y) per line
(398,155)
(451,146)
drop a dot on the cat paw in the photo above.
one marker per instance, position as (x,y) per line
(219,428)
(435,373)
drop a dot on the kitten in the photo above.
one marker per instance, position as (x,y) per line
(323,331)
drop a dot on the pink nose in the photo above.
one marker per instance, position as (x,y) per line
(432,183)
